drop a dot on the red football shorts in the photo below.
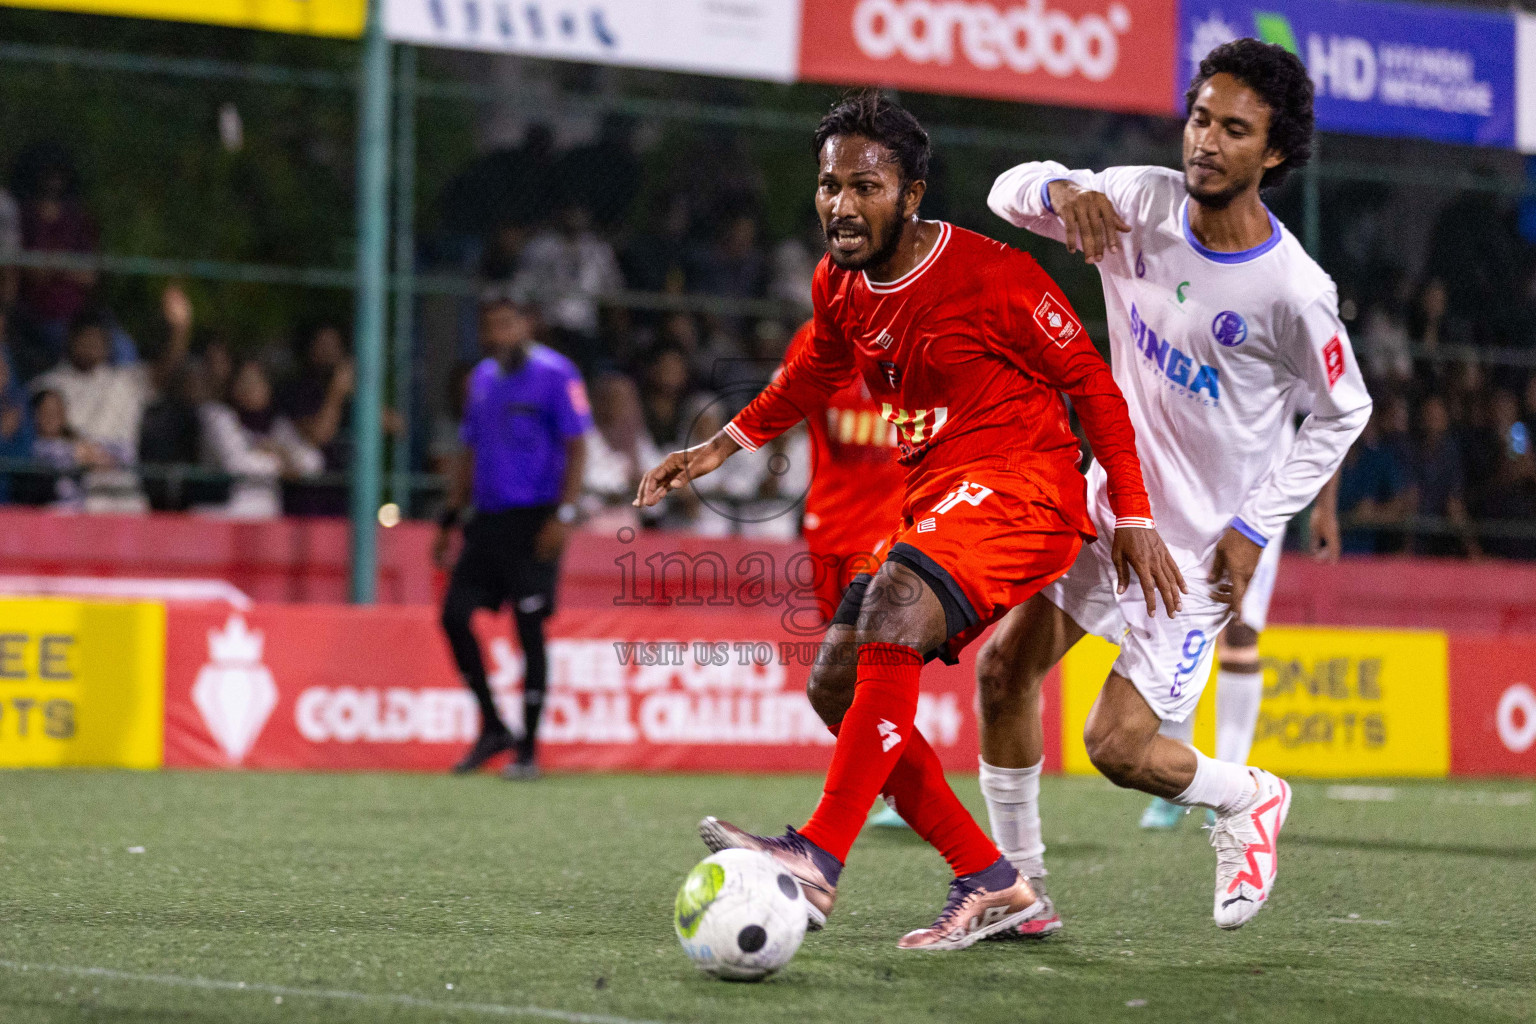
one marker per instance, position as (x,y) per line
(988,543)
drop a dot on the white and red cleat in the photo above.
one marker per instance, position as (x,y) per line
(1247,857)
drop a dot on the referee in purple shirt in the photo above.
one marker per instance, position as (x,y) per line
(525,417)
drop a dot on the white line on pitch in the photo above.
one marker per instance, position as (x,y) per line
(414,1002)
(1363,794)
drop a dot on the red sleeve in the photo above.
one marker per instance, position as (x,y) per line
(1051,341)
(819,362)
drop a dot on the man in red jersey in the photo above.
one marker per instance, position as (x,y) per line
(857,485)
(965,343)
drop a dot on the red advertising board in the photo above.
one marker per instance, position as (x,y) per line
(1493,704)
(1104,54)
(631,689)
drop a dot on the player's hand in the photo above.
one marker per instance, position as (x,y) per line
(550,540)
(1236,559)
(1092,225)
(1143,551)
(440,546)
(1323,534)
(680,467)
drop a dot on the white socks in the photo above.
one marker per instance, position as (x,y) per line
(1238,696)
(1013,803)
(1223,787)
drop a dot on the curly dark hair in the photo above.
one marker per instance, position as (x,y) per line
(1282,82)
(866,112)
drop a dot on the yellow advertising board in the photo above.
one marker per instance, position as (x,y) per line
(81,683)
(1338,703)
(309,17)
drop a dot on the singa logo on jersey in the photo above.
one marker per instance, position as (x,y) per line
(1180,372)
(1229,329)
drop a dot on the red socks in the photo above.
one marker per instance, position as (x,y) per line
(879,750)
(924,800)
(870,740)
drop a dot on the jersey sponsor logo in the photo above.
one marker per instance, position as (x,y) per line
(915,427)
(884,340)
(859,427)
(928,525)
(1333,360)
(971,494)
(1179,291)
(1179,371)
(1229,329)
(1056,320)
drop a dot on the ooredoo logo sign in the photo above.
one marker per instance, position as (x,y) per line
(1116,54)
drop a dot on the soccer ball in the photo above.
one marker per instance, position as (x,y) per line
(739,915)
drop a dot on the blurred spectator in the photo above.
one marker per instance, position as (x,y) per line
(1440,484)
(247,438)
(446,444)
(1529,410)
(104,404)
(1382,343)
(63,454)
(732,265)
(53,219)
(15,422)
(793,268)
(1474,255)
(620,449)
(657,260)
(1373,492)
(507,187)
(317,398)
(1506,480)
(566,269)
(604,176)
(665,391)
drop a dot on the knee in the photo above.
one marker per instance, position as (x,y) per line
(1002,686)
(1117,753)
(830,690)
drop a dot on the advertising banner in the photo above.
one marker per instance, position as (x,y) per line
(1387,69)
(1107,54)
(310,17)
(630,689)
(1338,703)
(742,40)
(80,683)
(1493,705)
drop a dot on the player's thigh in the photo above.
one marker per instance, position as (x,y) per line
(1169,660)
(900,607)
(1027,641)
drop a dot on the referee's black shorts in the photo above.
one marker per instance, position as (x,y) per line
(498,565)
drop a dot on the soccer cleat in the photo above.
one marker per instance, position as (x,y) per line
(986,903)
(1246,854)
(486,747)
(797,854)
(1162,815)
(1042,924)
(885,816)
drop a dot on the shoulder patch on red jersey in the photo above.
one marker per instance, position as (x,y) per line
(1333,361)
(1056,320)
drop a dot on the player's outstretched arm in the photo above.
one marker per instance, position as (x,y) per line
(1069,206)
(1140,550)
(680,467)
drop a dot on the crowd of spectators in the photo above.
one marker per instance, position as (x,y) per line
(91,410)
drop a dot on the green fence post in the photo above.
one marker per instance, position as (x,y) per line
(372,270)
(405,272)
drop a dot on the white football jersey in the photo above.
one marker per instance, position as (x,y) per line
(1213,350)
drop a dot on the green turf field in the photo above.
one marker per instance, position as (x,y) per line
(244,897)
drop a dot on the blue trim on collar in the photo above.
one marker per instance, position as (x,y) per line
(1249,532)
(1244,256)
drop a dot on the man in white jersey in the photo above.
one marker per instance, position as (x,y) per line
(1219,324)
(1239,677)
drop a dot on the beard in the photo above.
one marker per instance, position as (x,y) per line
(882,249)
(1216,199)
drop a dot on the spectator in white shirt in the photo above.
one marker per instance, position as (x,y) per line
(566,269)
(247,438)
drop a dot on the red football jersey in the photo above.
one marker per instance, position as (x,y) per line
(967,356)
(856,483)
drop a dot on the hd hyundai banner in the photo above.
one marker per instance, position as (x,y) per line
(1430,72)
